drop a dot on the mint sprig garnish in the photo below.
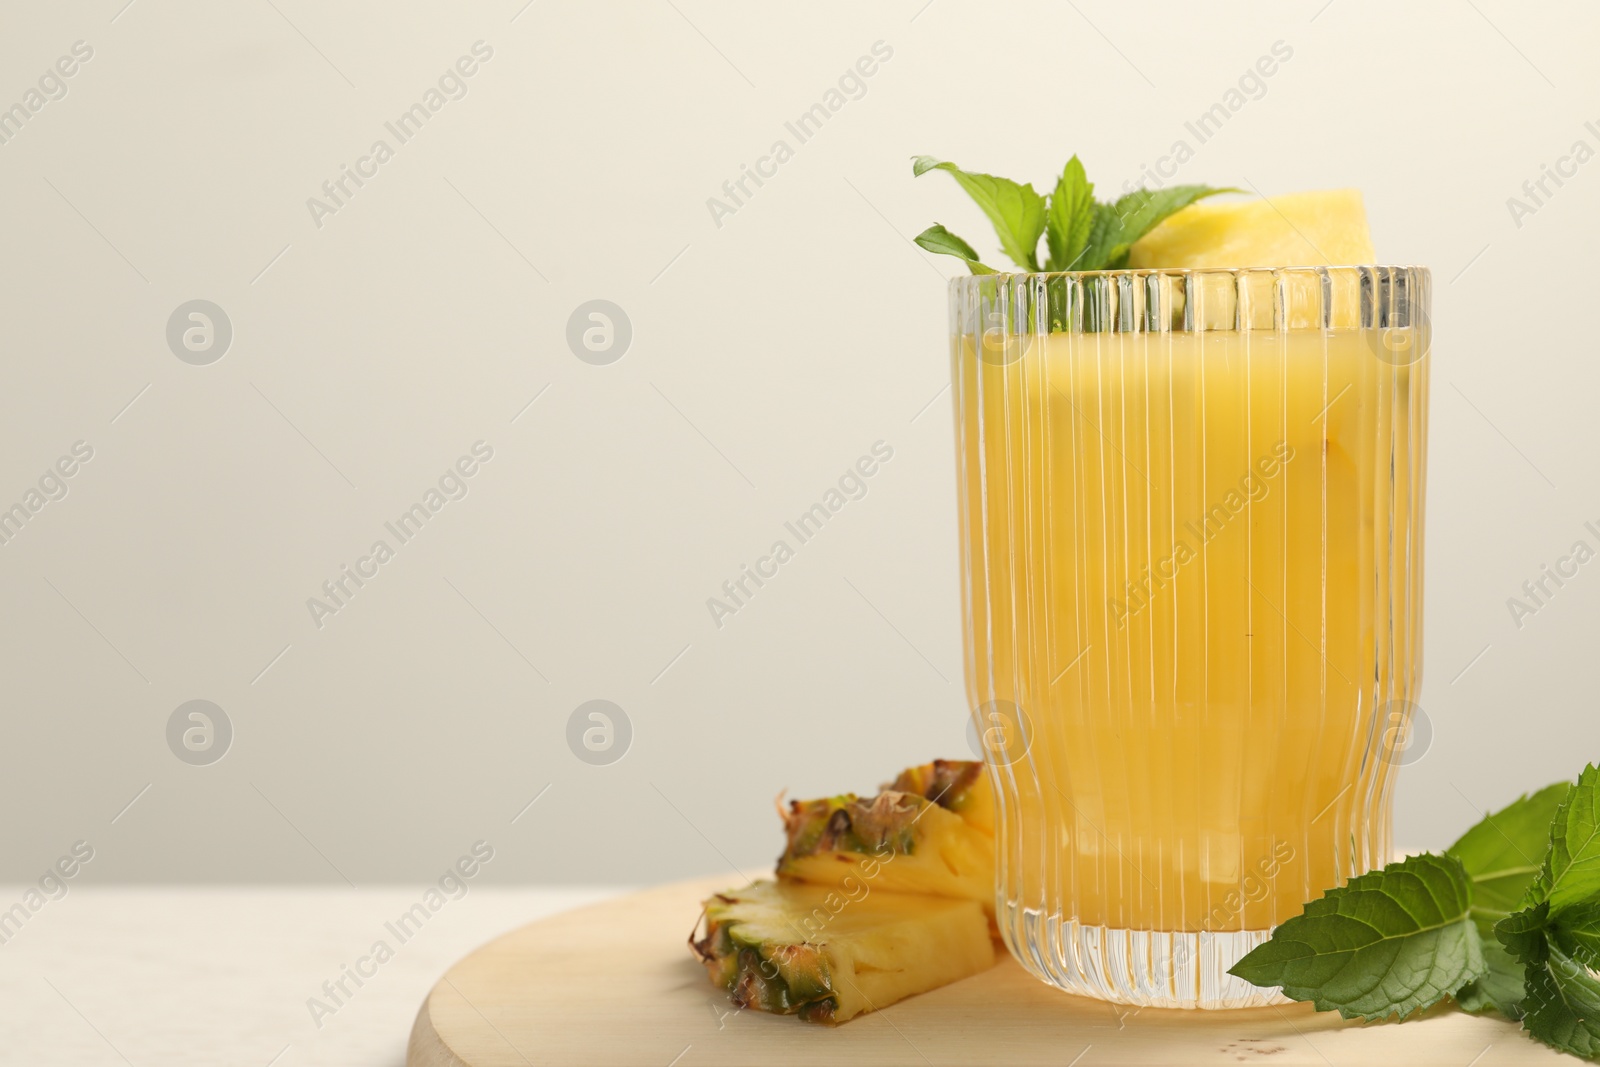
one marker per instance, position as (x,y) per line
(1571,871)
(1502,856)
(1563,1004)
(1507,919)
(1080,232)
(1390,942)
(938,239)
(1071,215)
(1556,933)
(1016,211)
(1499,988)
(1504,851)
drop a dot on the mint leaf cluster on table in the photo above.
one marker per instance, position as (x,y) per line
(1081,233)
(1555,933)
(1507,919)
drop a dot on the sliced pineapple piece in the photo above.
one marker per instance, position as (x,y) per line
(826,956)
(898,842)
(959,785)
(1296,230)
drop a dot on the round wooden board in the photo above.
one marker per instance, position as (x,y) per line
(614,984)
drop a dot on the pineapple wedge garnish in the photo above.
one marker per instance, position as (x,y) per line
(877,899)
(897,842)
(933,834)
(816,952)
(960,785)
(1319,229)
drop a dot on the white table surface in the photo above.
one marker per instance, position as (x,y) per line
(221,976)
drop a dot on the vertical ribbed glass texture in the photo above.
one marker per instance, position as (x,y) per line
(1191,524)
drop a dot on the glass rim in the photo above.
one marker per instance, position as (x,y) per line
(1163,300)
(1184,272)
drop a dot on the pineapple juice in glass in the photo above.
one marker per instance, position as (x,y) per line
(1191,524)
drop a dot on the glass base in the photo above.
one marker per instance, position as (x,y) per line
(1149,968)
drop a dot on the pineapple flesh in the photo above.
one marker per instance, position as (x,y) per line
(1316,229)
(960,785)
(877,899)
(827,956)
(932,832)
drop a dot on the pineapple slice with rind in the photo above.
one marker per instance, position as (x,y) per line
(898,842)
(1316,229)
(828,956)
(959,785)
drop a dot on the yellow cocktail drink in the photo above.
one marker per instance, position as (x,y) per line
(1191,522)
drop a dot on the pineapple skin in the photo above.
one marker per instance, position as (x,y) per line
(812,952)
(900,841)
(962,786)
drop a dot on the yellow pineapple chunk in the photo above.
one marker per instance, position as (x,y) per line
(827,955)
(895,841)
(960,785)
(1296,230)
(931,832)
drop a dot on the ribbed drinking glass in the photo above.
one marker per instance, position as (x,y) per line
(1191,523)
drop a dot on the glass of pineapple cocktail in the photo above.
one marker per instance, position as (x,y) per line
(1191,521)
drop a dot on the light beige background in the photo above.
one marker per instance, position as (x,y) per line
(767,355)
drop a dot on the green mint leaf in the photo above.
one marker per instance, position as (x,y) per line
(1115,227)
(1143,209)
(1577,932)
(1104,232)
(1522,933)
(938,239)
(1503,852)
(1562,1004)
(1561,995)
(1390,942)
(1499,989)
(1571,871)
(1501,855)
(1071,213)
(1016,211)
